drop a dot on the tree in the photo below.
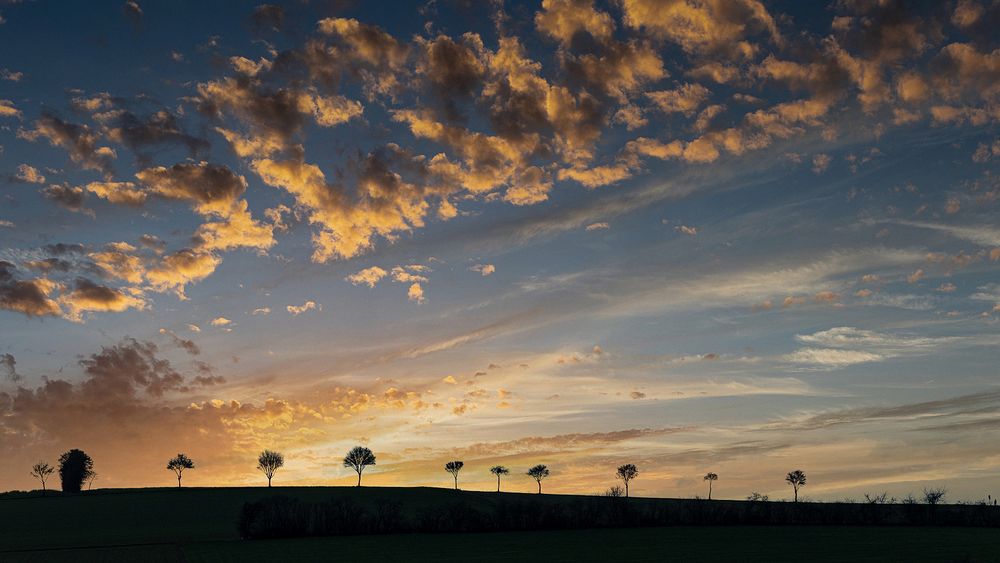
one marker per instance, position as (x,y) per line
(41,471)
(626,473)
(499,470)
(710,477)
(454,467)
(178,464)
(358,459)
(934,496)
(90,479)
(74,468)
(268,462)
(796,479)
(538,473)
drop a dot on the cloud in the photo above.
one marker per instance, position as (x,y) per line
(368,276)
(597,226)
(65,196)
(261,311)
(221,321)
(987,292)
(709,27)
(686,230)
(79,141)
(9,366)
(821,162)
(7,109)
(29,174)
(296,310)
(416,293)
(405,274)
(29,297)
(484,269)
(686,99)
(87,296)
(827,358)
(563,19)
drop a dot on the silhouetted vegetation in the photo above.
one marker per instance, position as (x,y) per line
(178,464)
(796,479)
(499,470)
(626,473)
(282,516)
(757,497)
(711,478)
(74,468)
(934,496)
(268,462)
(538,473)
(42,471)
(454,467)
(358,459)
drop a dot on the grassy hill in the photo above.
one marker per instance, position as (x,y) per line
(200,524)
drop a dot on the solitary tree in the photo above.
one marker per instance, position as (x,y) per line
(538,473)
(796,479)
(41,471)
(74,468)
(268,462)
(626,473)
(454,467)
(499,470)
(934,496)
(358,459)
(178,464)
(710,477)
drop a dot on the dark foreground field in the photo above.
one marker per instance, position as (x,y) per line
(201,525)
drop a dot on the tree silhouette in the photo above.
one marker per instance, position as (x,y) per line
(796,479)
(90,479)
(358,459)
(178,464)
(454,467)
(499,470)
(626,473)
(74,468)
(268,462)
(538,473)
(41,471)
(934,496)
(710,477)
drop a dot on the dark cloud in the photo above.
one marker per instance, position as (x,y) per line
(29,297)
(128,368)
(78,140)
(70,197)
(187,345)
(213,186)
(158,129)
(268,17)
(8,365)
(61,249)
(454,70)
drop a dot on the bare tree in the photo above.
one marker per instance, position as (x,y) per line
(538,473)
(711,478)
(268,462)
(41,471)
(626,473)
(796,479)
(178,464)
(499,470)
(454,467)
(615,492)
(879,498)
(934,496)
(757,497)
(358,459)
(90,479)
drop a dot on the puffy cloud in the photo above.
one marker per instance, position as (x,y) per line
(28,297)
(122,193)
(368,276)
(29,174)
(78,140)
(70,197)
(220,321)
(87,296)
(701,27)
(821,162)
(686,230)
(174,271)
(7,109)
(415,293)
(296,310)
(484,269)
(406,274)
(563,19)
(686,99)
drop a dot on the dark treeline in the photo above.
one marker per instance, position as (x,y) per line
(284,517)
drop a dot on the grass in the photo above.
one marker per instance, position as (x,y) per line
(200,525)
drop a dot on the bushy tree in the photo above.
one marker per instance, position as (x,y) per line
(358,459)
(626,473)
(538,473)
(499,470)
(268,462)
(178,464)
(74,468)
(757,497)
(711,478)
(454,467)
(796,479)
(41,471)
(934,496)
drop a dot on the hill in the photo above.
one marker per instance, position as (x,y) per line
(200,524)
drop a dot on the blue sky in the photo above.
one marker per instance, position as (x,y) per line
(698,236)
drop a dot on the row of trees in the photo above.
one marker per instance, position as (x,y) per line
(76,468)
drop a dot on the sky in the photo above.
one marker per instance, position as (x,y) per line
(694,235)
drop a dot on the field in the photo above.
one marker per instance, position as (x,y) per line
(200,525)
